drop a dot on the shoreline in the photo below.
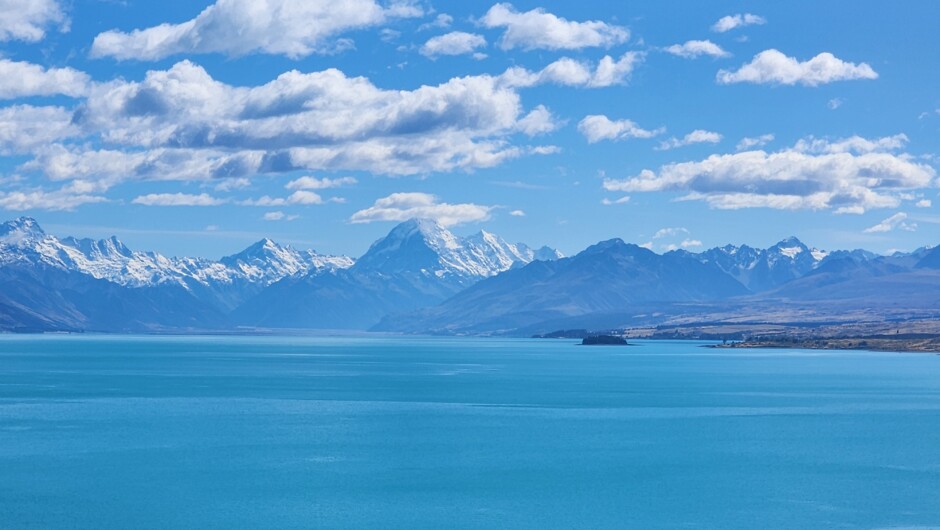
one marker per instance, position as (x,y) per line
(925,345)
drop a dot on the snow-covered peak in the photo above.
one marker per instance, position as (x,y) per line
(266,262)
(424,246)
(547,253)
(20,230)
(22,241)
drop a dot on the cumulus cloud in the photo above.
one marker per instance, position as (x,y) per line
(570,72)
(730,22)
(21,79)
(517,213)
(36,199)
(28,20)
(897,221)
(177,199)
(313,183)
(538,121)
(599,127)
(453,43)
(25,128)
(773,67)
(230,184)
(684,244)
(299,121)
(845,181)
(670,232)
(538,29)
(696,48)
(404,206)
(278,216)
(749,142)
(924,203)
(698,136)
(299,197)
(295,28)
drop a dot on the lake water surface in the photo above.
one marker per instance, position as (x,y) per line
(377,432)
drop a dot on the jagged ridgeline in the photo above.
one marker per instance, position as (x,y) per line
(422,278)
(52,283)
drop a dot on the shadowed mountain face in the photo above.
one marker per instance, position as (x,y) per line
(763,269)
(70,284)
(610,276)
(418,264)
(423,278)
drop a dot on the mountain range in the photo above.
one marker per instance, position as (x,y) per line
(421,278)
(52,283)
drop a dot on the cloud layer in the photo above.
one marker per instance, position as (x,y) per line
(239,27)
(538,29)
(835,176)
(404,206)
(599,127)
(773,67)
(28,20)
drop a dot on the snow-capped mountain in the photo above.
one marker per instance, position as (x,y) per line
(418,264)
(763,269)
(23,241)
(424,246)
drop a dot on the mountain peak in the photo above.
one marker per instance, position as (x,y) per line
(791,241)
(20,229)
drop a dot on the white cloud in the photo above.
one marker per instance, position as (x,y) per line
(853,144)
(731,22)
(622,200)
(177,199)
(670,232)
(757,141)
(924,203)
(36,199)
(453,43)
(307,121)
(313,183)
(773,67)
(299,197)
(897,221)
(789,179)
(685,244)
(21,79)
(696,48)
(442,20)
(538,121)
(233,184)
(404,206)
(835,103)
(569,72)
(538,29)
(517,213)
(278,216)
(238,27)
(599,127)
(698,136)
(24,128)
(28,20)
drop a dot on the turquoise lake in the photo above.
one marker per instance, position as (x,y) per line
(376,432)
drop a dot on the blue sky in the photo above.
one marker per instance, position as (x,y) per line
(200,127)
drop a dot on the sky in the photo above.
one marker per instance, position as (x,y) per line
(199,127)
